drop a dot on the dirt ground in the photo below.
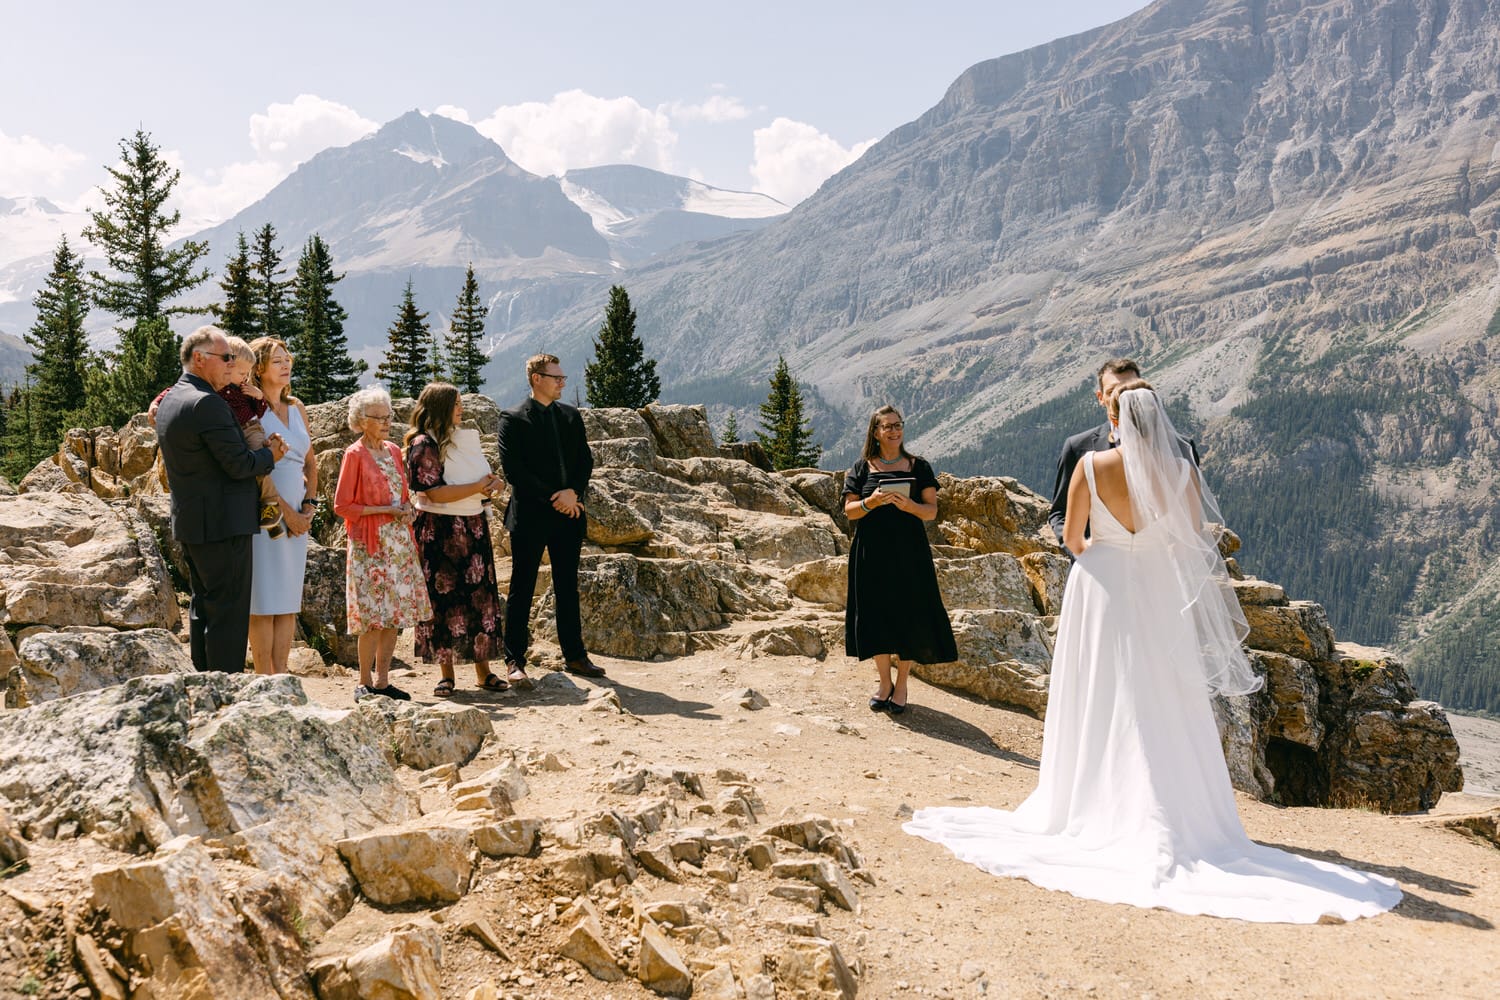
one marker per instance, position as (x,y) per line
(932,925)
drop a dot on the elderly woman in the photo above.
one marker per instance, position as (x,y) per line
(383,585)
(281,562)
(450,479)
(894,611)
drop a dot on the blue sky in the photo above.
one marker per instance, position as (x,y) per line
(770,97)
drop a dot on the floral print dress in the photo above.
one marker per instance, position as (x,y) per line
(385,589)
(458,561)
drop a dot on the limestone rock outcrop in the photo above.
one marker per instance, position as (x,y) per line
(139,763)
(73,559)
(58,664)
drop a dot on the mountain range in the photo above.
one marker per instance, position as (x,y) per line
(1287,210)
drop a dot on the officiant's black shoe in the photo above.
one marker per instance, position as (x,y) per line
(879,704)
(893,708)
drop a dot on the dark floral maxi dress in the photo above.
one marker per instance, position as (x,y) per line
(458,562)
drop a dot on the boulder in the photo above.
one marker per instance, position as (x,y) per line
(680,431)
(583,941)
(58,664)
(638,608)
(48,477)
(72,559)
(12,847)
(747,451)
(814,969)
(1048,575)
(821,581)
(506,837)
(395,866)
(614,423)
(1004,656)
(635,452)
(612,521)
(781,639)
(994,580)
(824,874)
(991,514)
(324,609)
(403,965)
(1297,628)
(139,763)
(1384,748)
(181,934)
(155,511)
(424,736)
(661,969)
(824,491)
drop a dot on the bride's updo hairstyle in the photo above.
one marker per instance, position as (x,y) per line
(1113,404)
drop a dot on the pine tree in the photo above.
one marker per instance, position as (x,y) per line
(620,374)
(464,354)
(408,360)
(270,292)
(20,445)
(436,371)
(731,433)
(59,345)
(324,370)
(132,230)
(123,383)
(784,434)
(236,314)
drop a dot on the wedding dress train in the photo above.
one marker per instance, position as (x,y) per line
(1134,803)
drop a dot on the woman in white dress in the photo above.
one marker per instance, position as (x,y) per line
(1134,804)
(276,579)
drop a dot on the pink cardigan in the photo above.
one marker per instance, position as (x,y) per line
(362,484)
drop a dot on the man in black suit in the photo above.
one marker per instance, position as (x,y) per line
(211,472)
(1112,373)
(544,452)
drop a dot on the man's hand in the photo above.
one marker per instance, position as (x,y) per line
(566,502)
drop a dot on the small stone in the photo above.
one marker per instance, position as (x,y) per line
(809,896)
(585,944)
(485,932)
(970,971)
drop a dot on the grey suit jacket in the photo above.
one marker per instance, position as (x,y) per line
(209,468)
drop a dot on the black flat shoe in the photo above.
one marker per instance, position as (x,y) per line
(879,704)
(893,708)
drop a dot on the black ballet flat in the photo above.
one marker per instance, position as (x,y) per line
(879,704)
(893,708)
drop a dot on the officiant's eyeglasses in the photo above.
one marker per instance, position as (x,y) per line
(893,426)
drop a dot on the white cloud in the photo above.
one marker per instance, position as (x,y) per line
(577,129)
(715,110)
(452,111)
(291,133)
(29,166)
(218,194)
(792,158)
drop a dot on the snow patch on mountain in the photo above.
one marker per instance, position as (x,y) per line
(730,204)
(435,159)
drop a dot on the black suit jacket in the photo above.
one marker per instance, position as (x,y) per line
(529,461)
(209,468)
(1095,439)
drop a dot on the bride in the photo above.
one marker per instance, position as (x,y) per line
(1134,803)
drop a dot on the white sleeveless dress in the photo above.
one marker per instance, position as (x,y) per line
(1134,804)
(276,576)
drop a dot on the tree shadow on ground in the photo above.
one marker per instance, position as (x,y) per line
(1412,906)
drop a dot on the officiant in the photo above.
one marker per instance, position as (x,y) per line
(894,612)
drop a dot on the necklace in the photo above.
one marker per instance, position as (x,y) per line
(894,461)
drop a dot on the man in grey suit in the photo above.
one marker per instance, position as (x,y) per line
(211,472)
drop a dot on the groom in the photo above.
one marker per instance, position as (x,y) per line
(1112,373)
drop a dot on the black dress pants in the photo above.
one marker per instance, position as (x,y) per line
(219,615)
(562,539)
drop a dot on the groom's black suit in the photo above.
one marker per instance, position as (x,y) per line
(1095,439)
(543,449)
(211,473)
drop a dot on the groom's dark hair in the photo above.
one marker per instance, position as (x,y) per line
(1117,366)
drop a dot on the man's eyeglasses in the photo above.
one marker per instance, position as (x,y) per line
(560,378)
(228,357)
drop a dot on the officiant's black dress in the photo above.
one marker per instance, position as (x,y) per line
(894,605)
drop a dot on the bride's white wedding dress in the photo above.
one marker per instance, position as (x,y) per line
(1134,803)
